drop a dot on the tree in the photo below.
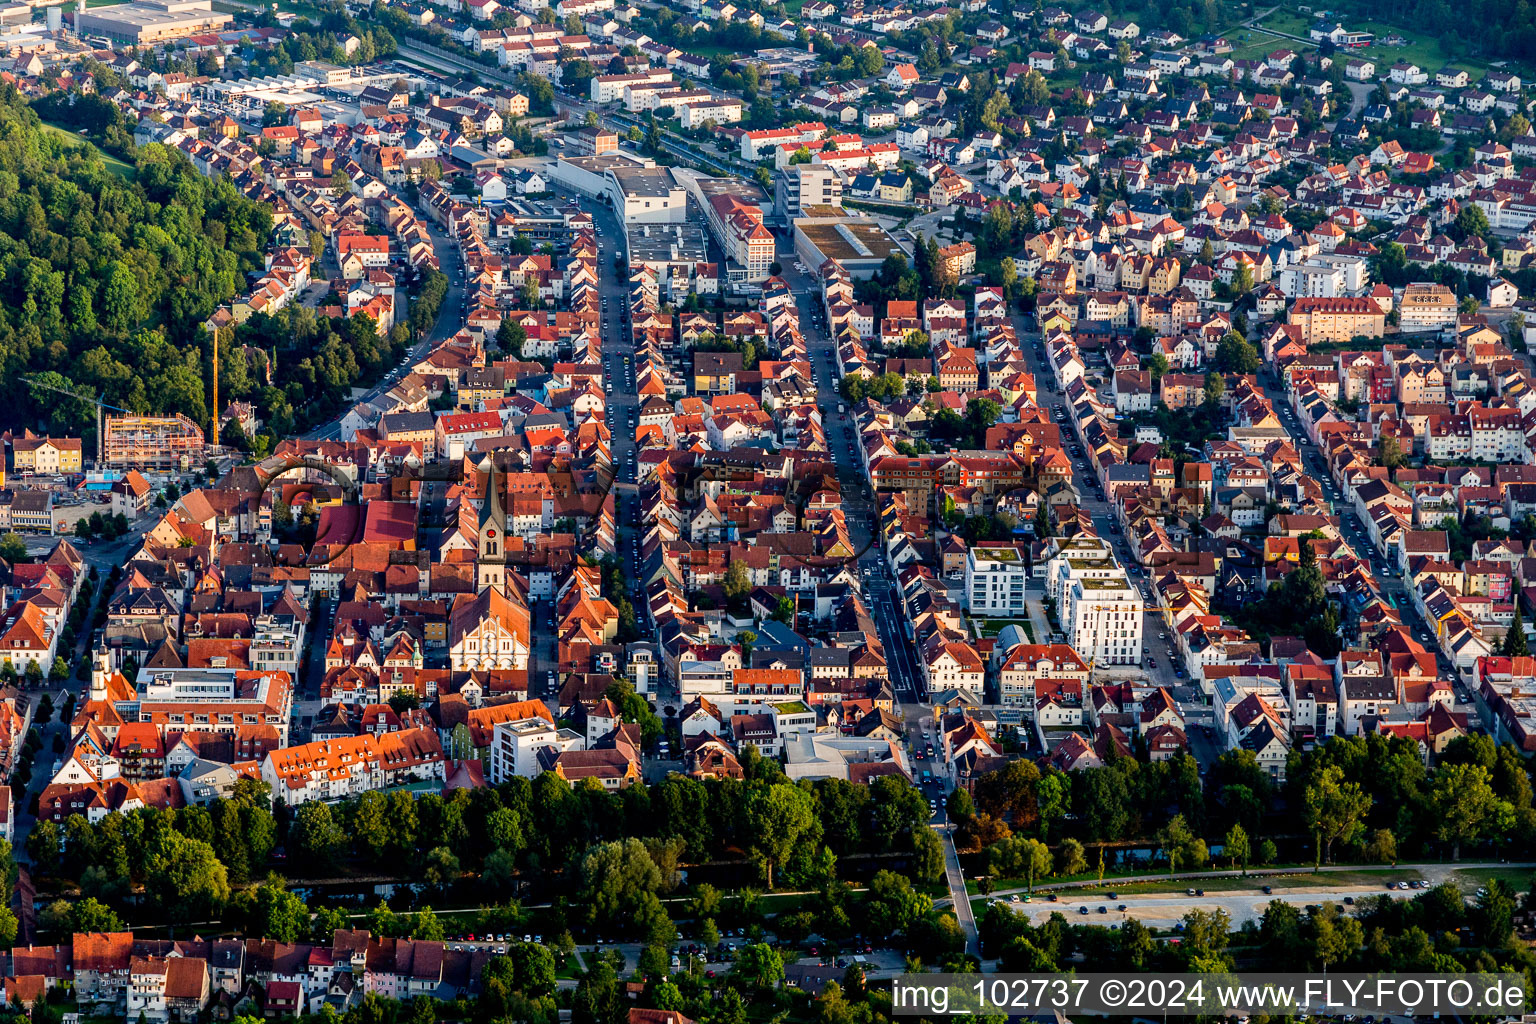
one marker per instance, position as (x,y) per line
(737,584)
(783,610)
(1237,848)
(1070,859)
(510,338)
(1034,89)
(13,548)
(1242,278)
(441,866)
(1215,387)
(1335,809)
(1334,936)
(614,876)
(1381,846)
(43,845)
(1390,453)
(893,905)
(778,819)
(758,966)
(273,912)
(185,877)
(1515,127)
(1471,220)
(598,998)
(1019,857)
(315,834)
(1516,644)
(1465,807)
(1235,355)
(1180,844)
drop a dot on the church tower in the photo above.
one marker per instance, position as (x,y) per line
(491,560)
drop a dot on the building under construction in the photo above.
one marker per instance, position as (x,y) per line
(153,442)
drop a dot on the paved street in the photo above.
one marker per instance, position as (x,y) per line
(450,317)
(841,433)
(1153,628)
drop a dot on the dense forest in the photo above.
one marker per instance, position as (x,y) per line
(1363,799)
(540,832)
(105,281)
(1489,28)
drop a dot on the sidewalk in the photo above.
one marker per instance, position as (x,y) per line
(1037,619)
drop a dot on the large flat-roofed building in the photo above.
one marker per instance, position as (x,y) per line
(638,190)
(144,22)
(647,195)
(676,252)
(995,578)
(588,175)
(1103,620)
(859,244)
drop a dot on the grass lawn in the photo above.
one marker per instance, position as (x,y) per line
(779,903)
(1470,880)
(1421,50)
(1254,882)
(1259,44)
(710,49)
(992,627)
(120,168)
(1283,20)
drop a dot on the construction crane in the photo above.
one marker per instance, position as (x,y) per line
(91,399)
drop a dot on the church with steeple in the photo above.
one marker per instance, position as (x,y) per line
(491,559)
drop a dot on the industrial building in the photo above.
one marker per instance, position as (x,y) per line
(647,195)
(153,442)
(146,22)
(858,243)
(676,252)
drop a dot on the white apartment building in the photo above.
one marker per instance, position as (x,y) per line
(1426,307)
(1325,276)
(276,646)
(1078,558)
(515,747)
(698,107)
(1497,435)
(994,582)
(1102,617)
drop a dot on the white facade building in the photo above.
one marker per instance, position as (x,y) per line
(1102,617)
(994,582)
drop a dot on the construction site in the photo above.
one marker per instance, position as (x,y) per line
(153,442)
